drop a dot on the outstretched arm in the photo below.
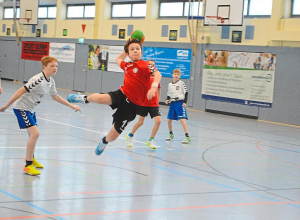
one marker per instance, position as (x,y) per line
(14,97)
(121,57)
(60,100)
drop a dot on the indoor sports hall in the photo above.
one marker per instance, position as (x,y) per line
(239,61)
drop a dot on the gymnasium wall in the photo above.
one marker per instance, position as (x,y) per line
(70,76)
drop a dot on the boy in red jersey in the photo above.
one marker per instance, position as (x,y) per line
(130,96)
(151,107)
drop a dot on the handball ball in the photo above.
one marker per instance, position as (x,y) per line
(139,35)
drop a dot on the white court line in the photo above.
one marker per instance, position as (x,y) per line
(81,128)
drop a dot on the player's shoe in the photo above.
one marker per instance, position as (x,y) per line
(129,141)
(186,140)
(30,170)
(76,98)
(151,144)
(36,164)
(101,146)
(171,136)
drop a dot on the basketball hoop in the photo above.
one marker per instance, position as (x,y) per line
(27,19)
(214,20)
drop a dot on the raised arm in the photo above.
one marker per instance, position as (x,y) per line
(14,97)
(121,57)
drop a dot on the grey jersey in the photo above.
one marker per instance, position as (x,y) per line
(37,87)
(177,91)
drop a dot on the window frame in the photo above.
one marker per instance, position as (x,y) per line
(80,18)
(9,8)
(174,17)
(254,16)
(292,7)
(47,6)
(126,3)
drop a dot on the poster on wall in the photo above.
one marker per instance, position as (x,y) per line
(63,52)
(239,77)
(168,59)
(34,50)
(103,57)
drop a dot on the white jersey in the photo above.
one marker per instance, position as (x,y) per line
(177,91)
(37,87)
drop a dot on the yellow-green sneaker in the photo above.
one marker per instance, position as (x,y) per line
(151,144)
(30,170)
(129,140)
(186,140)
(170,136)
(36,164)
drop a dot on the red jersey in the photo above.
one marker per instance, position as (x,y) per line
(136,80)
(154,101)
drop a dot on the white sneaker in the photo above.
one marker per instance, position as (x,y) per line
(129,140)
(151,144)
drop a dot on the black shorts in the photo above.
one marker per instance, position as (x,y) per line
(153,111)
(126,110)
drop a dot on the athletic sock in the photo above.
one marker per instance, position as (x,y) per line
(171,132)
(28,163)
(151,138)
(104,140)
(130,135)
(187,134)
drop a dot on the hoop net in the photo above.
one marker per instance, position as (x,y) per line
(214,20)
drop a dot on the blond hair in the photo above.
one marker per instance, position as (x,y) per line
(177,71)
(47,59)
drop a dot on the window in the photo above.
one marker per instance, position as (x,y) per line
(9,13)
(128,10)
(296,8)
(45,12)
(81,11)
(258,8)
(179,9)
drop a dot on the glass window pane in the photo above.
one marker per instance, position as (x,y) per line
(42,12)
(139,10)
(259,7)
(8,13)
(193,9)
(296,7)
(89,11)
(245,7)
(123,10)
(52,12)
(171,9)
(18,12)
(75,12)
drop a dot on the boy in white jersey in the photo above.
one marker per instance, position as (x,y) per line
(177,96)
(25,100)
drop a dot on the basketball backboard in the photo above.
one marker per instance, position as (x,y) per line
(29,12)
(224,12)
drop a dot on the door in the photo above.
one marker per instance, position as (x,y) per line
(81,67)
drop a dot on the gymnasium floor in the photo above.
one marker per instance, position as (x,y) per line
(235,168)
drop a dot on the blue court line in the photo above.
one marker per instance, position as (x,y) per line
(198,178)
(28,203)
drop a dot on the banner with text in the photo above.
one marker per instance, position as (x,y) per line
(239,77)
(34,50)
(168,59)
(63,52)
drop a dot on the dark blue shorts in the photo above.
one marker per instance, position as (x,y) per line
(177,111)
(25,118)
